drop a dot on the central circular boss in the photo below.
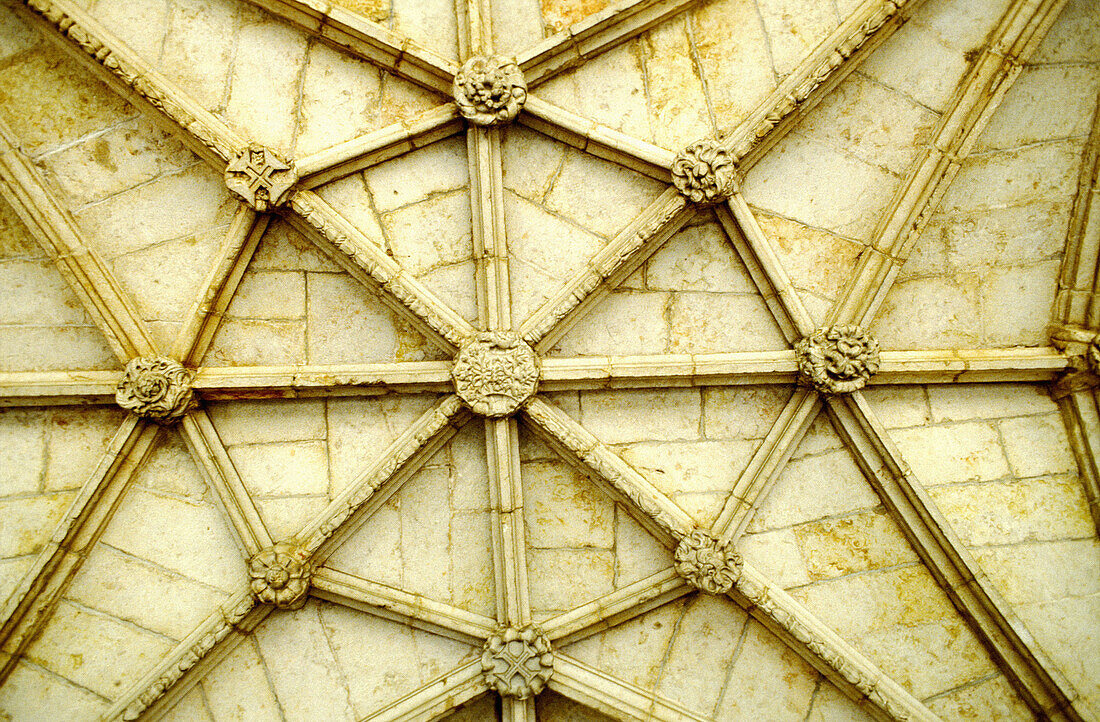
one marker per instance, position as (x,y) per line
(495,373)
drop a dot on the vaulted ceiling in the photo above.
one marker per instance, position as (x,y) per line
(347,375)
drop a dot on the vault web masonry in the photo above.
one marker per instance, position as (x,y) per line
(499,364)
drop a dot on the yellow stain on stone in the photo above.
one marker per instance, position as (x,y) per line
(835,547)
(376,10)
(47,99)
(560,14)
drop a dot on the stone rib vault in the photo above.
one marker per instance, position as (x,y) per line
(725,403)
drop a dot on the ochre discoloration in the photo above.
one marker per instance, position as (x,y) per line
(835,547)
(560,14)
(48,99)
(376,10)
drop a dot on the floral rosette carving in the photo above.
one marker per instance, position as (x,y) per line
(261,178)
(489,90)
(517,662)
(279,576)
(496,373)
(706,564)
(837,359)
(156,388)
(704,172)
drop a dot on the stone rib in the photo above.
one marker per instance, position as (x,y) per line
(133,78)
(31,604)
(596,34)
(372,379)
(204,317)
(400,606)
(766,464)
(599,140)
(655,511)
(368,263)
(1034,677)
(612,696)
(815,77)
(191,659)
(378,146)
(210,455)
(764,268)
(1081,416)
(816,642)
(980,93)
(354,34)
(379,481)
(613,609)
(451,689)
(85,272)
(607,269)
(1078,300)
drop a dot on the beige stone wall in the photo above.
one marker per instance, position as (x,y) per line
(859,518)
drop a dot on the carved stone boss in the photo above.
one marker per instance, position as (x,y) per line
(261,178)
(489,90)
(280,576)
(156,388)
(706,564)
(496,373)
(517,662)
(704,172)
(837,359)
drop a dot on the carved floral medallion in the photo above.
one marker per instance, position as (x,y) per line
(156,388)
(837,359)
(489,90)
(496,373)
(706,564)
(517,662)
(704,172)
(260,177)
(279,576)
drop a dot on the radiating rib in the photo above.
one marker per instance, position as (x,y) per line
(54,229)
(855,675)
(597,33)
(607,269)
(210,455)
(47,388)
(655,511)
(494,294)
(234,255)
(1079,281)
(815,77)
(378,146)
(599,140)
(133,78)
(1081,416)
(612,696)
(364,39)
(764,268)
(195,655)
(368,263)
(447,691)
(379,481)
(1036,680)
(506,499)
(997,66)
(615,608)
(400,606)
(767,463)
(993,365)
(31,604)
(264,382)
